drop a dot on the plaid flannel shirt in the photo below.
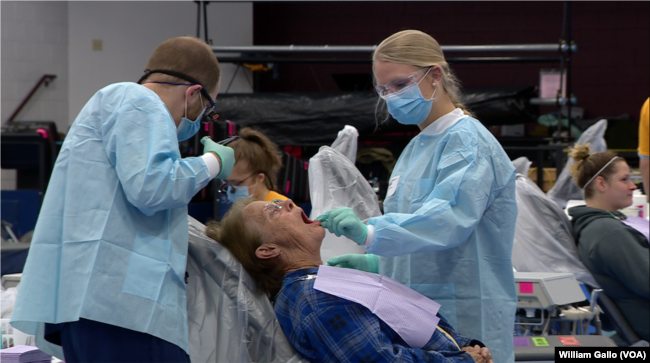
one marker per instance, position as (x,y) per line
(326,328)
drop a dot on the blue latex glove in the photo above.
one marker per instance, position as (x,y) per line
(226,155)
(343,222)
(367,262)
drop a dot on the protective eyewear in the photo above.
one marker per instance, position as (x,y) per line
(210,114)
(274,205)
(398,84)
(223,186)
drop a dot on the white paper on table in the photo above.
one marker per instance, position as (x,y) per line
(411,314)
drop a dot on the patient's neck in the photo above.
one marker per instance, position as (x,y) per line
(298,263)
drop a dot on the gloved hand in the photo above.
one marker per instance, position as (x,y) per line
(367,262)
(343,222)
(226,155)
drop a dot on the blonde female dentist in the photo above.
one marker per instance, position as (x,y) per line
(450,208)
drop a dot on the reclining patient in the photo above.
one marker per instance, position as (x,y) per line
(279,246)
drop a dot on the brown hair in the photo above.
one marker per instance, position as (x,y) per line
(419,49)
(586,166)
(190,56)
(235,234)
(261,154)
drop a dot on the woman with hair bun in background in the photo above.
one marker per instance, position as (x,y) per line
(254,173)
(610,244)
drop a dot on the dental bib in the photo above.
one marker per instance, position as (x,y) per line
(411,314)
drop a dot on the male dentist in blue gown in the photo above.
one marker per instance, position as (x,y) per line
(104,279)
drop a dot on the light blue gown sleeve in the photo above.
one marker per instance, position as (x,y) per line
(140,141)
(457,198)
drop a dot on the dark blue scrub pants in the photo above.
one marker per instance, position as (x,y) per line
(87,341)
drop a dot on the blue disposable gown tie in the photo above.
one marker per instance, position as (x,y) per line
(110,243)
(449,222)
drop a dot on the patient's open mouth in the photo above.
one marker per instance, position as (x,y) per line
(306,219)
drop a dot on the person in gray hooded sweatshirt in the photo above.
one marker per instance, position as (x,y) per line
(612,246)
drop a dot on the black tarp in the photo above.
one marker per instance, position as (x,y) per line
(316,118)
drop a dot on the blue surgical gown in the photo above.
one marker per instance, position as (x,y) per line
(111,240)
(449,225)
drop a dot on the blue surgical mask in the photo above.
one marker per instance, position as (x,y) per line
(188,128)
(238,192)
(408,106)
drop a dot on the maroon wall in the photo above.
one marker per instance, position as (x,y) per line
(610,70)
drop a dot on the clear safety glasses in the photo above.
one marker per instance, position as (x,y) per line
(398,84)
(274,205)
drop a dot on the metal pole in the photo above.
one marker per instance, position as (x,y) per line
(371,48)
(568,64)
(560,96)
(273,59)
(294,49)
(44,80)
(561,101)
(559,161)
(42,183)
(198,19)
(205,21)
(503,59)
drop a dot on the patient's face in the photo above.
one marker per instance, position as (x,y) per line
(287,226)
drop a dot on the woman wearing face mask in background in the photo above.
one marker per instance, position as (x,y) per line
(450,208)
(254,173)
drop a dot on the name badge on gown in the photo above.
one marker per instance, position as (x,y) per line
(392,186)
(411,314)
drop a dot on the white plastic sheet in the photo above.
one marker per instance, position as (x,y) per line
(544,236)
(335,182)
(8,300)
(346,142)
(522,165)
(228,320)
(565,188)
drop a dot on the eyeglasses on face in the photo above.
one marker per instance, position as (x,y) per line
(223,184)
(274,205)
(210,113)
(398,84)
